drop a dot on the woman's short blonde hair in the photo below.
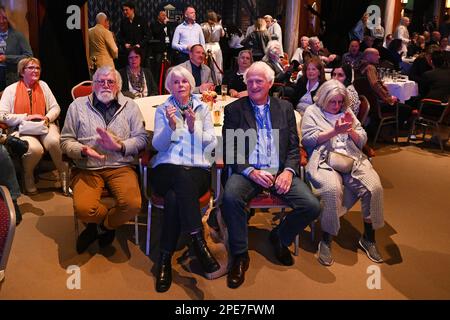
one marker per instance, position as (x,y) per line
(328,90)
(24,62)
(182,72)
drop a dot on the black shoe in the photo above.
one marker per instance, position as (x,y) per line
(18,213)
(207,260)
(106,237)
(17,146)
(236,274)
(281,252)
(164,273)
(88,236)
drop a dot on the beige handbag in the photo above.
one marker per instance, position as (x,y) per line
(33,128)
(340,162)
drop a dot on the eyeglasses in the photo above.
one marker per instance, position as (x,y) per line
(33,68)
(107,82)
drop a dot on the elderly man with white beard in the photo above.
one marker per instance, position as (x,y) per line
(103,133)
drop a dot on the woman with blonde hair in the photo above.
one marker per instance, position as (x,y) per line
(184,123)
(338,170)
(257,40)
(235,78)
(31,100)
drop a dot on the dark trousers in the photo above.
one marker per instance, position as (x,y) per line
(2,78)
(8,176)
(181,188)
(239,190)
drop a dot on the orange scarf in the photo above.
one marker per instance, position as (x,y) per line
(22,103)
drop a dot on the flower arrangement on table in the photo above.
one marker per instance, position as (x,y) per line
(209,97)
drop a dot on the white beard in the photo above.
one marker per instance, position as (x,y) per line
(105,96)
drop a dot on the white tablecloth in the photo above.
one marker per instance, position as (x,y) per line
(403,90)
(148,107)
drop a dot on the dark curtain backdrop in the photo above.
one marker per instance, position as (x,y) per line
(340,16)
(62,52)
(419,15)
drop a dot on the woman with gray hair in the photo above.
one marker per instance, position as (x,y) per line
(274,57)
(184,134)
(338,170)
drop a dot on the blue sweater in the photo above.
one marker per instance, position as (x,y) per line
(180,147)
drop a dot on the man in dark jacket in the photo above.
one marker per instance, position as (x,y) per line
(269,161)
(162,32)
(133,33)
(435,83)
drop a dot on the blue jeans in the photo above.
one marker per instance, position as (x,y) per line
(239,190)
(8,176)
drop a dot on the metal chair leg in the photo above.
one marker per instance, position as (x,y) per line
(396,131)
(378,132)
(149,225)
(136,230)
(77,230)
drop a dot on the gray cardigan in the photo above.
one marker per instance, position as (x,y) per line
(83,119)
(320,174)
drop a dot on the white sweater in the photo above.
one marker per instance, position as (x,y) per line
(8,99)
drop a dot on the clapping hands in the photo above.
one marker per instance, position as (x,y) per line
(344,124)
(190,119)
(170,114)
(188,113)
(107,141)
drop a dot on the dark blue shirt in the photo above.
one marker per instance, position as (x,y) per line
(197,73)
(106,111)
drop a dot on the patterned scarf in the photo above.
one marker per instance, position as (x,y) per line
(136,81)
(182,107)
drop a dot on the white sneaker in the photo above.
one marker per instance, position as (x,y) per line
(30,187)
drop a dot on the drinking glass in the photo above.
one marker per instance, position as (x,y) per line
(224,90)
(217,116)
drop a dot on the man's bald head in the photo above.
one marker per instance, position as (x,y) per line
(371,55)
(405,21)
(100,17)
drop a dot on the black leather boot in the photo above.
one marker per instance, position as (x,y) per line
(164,273)
(17,146)
(208,262)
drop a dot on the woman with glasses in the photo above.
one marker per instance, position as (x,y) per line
(31,100)
(181,170)
(338,170)
(137,82)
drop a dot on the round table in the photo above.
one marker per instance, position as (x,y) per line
(402,89)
